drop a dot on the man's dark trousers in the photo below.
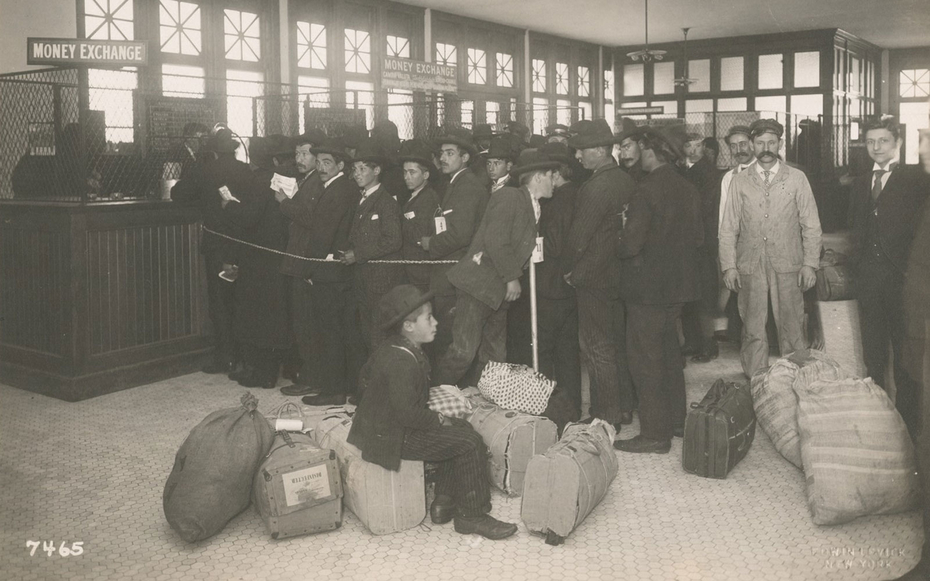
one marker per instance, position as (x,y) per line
(221,303)
(879,285)
(601,321)
(338,352)
(656,365)
(558,344)
(300,313)
(478,331)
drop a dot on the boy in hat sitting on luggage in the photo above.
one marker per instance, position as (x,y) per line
(392,422)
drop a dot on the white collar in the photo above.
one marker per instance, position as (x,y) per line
(774,169)
(414,193)
(895,160)
(456,174)
(332,179)
(370,191)
(503,179)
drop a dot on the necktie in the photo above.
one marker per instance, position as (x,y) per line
(877,183)
(767,177)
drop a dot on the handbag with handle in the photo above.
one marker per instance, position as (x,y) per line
(515,387)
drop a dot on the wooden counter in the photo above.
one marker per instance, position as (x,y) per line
(100,297)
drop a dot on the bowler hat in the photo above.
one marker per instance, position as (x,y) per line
(761,126)
(460,137)
(557,151)
(532,160)
(738,130)
(627,128)
(368,151)
(416,150)
(399,302)
(501,148)
(222,141)
(314,137)
(334,146)
(589,134)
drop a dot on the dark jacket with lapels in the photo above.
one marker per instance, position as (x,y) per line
(417,222)
(376,235)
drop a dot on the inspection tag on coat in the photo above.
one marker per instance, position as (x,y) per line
(374,216)
(410,215)
(537,255)
(227,195)
(440,224)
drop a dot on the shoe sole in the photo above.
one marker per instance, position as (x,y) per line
(489,537)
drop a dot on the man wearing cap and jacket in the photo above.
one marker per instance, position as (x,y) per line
(593,267)
(338,350)
(419,210)
(487,278)
(499,158)
(769,247)
(393,423)
(454,225)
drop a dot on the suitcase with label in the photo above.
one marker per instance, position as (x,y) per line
(718,430)
(513,438)
(564,485)
(298,489)
(384,500)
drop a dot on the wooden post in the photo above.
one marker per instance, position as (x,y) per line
(533,324)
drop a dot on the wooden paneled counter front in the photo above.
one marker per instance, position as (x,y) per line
(99,297)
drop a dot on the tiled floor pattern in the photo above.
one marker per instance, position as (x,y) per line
(93,472)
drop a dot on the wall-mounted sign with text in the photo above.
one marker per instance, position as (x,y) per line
(399,73)
(79,51)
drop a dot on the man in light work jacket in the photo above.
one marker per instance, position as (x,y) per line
(593,268)
(769,247)
(488,276)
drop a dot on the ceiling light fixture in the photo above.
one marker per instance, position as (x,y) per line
(684,80)
(646,55)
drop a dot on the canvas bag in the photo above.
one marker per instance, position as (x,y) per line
(515,387)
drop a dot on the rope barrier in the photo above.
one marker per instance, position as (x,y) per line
(282,253)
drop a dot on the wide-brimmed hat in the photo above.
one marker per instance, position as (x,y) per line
(460,137)
(557,151)
(737,130)
(627,128)
(399,302)
(517,128)
(501,148)
(416,150)
(590,133)
(532,160)
(334,146)
(314,137)
(222,141)
(558,129)
(369,151)
(483,131)
(760,126)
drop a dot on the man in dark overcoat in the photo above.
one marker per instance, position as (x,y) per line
(658,249)
(418,212)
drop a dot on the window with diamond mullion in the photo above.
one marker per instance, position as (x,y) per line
(477,66)
(398,46)
(179,27)
(108,19)
(242,35)
(561,78)
(539,76)
(446,54)
(311,45)
(914,83)
(504,70)
(357,51)
(584,82)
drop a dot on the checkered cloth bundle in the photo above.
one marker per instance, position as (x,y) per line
(449,401)
(516,387)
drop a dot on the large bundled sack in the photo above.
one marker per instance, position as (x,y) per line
(384,500)
(718,430)
(211,481)
(564,485)
(515,387)
(775,402)
(857,455)
(513,438)
(298,489)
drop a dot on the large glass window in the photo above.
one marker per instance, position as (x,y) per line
(241,89)
(492,110)
(732,104)
(634,83)
(182,81)
(915,117)
(468,113)
(699,70)
(313,92)
(446,54)
(108,19)
(311,45)
(242,36)
(807,69)
(540,115)
(364,92)
(539,76)
(731,73)
(477,66)
(914,83)
(400,111)
(770,71)
(398,46)
(111,92)
(584,82)
(663,81)
(809,105)
(563,112)
(775,104)
(699,106)
(179,27)
(504,70)
(561,78)
(357,51)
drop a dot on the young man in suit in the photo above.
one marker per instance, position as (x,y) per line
(500,162)
(460,211)
(884,211)
(418,212)
(392,422)
(658,248)
(769,247)
(375,235)
(487,278)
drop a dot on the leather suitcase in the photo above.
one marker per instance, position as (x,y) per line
(718,430)
(513,438)
(384,500)
(835,283)
(564,485)
(298,489)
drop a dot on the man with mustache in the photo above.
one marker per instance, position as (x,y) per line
(630,153)
(769,246)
